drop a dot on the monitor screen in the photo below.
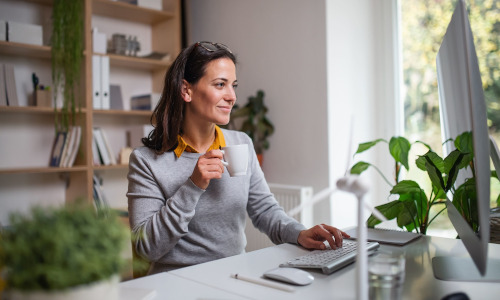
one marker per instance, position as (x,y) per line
(463,109)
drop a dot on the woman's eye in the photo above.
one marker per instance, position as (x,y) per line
(220,84)
(235,86)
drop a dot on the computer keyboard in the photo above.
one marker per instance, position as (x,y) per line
(329,260)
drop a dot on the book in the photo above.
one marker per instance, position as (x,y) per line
(10,85)
(107,144)
(3,91)
(71,146)
(57,148)
(386,236)
(101,147)
(100,200)
(67,144)
(75,148)
(95,152)
(115,95)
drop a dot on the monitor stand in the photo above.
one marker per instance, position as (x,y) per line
(463,269)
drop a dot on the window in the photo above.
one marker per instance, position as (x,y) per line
(422,26)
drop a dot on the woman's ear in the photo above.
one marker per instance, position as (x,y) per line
(186,91)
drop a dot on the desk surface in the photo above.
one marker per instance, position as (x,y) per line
(212,280)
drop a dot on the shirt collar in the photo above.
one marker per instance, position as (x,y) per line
(182,146)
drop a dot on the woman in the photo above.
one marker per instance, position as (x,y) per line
(182,203)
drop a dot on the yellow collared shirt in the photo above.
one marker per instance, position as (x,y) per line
(183,146)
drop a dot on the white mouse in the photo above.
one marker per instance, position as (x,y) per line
(290,275)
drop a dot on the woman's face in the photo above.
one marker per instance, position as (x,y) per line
(213,96)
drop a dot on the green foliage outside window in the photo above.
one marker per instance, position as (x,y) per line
(423,25)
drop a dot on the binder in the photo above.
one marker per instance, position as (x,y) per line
(100,82)
(96,82)
(105,99)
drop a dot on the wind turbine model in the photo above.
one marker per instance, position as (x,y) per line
(359,187)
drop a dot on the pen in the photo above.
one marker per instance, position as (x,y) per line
(263,282)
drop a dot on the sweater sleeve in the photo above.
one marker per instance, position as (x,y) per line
(266,213)
(157,223)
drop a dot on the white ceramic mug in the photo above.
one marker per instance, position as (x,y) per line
(236,159)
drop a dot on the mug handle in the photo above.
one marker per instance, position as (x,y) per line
(225,163)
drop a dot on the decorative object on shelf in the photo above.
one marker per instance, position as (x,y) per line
(123,45)
(255,123)
(63,253)
(24,33)
(413,207)
(144,102)
(67,56)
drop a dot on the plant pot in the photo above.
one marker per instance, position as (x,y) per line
(106,289)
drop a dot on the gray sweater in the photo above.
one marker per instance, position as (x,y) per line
(181,224)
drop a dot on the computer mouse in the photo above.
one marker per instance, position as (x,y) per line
(290,275)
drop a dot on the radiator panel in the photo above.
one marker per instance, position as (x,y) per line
(288,196)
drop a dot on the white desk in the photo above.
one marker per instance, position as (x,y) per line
(214,282)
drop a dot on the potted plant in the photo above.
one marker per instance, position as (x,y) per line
(67,57)
(412,209)
(254,122)
(62,253)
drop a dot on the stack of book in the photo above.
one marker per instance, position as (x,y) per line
(103,154)
(65,147)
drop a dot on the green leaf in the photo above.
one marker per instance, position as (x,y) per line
(365,146)
(389,210)
(465,200)
(399,147)
(360,167)
(464,143)
(452,166)
(425,144)
(436,160)
(405,187)
(434,173)
(438,192)
(406,214)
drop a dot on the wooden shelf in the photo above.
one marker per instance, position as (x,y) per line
(43,170)
(139,113)
(111,167)
(129,12)
(137,62)
(20,49)
(165,27)
(30,109)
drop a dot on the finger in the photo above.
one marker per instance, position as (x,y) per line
(326,235)
(337,234)
(216,153)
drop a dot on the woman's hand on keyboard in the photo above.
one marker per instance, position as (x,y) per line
(314,237)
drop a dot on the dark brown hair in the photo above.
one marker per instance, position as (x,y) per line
(168,116)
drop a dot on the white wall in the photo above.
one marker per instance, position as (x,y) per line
(361,77)
(281,47)
(319,62)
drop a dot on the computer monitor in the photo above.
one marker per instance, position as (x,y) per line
(463,109)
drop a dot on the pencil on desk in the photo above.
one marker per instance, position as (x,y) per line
(263,282)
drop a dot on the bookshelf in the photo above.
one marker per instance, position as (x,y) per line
(30,130)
